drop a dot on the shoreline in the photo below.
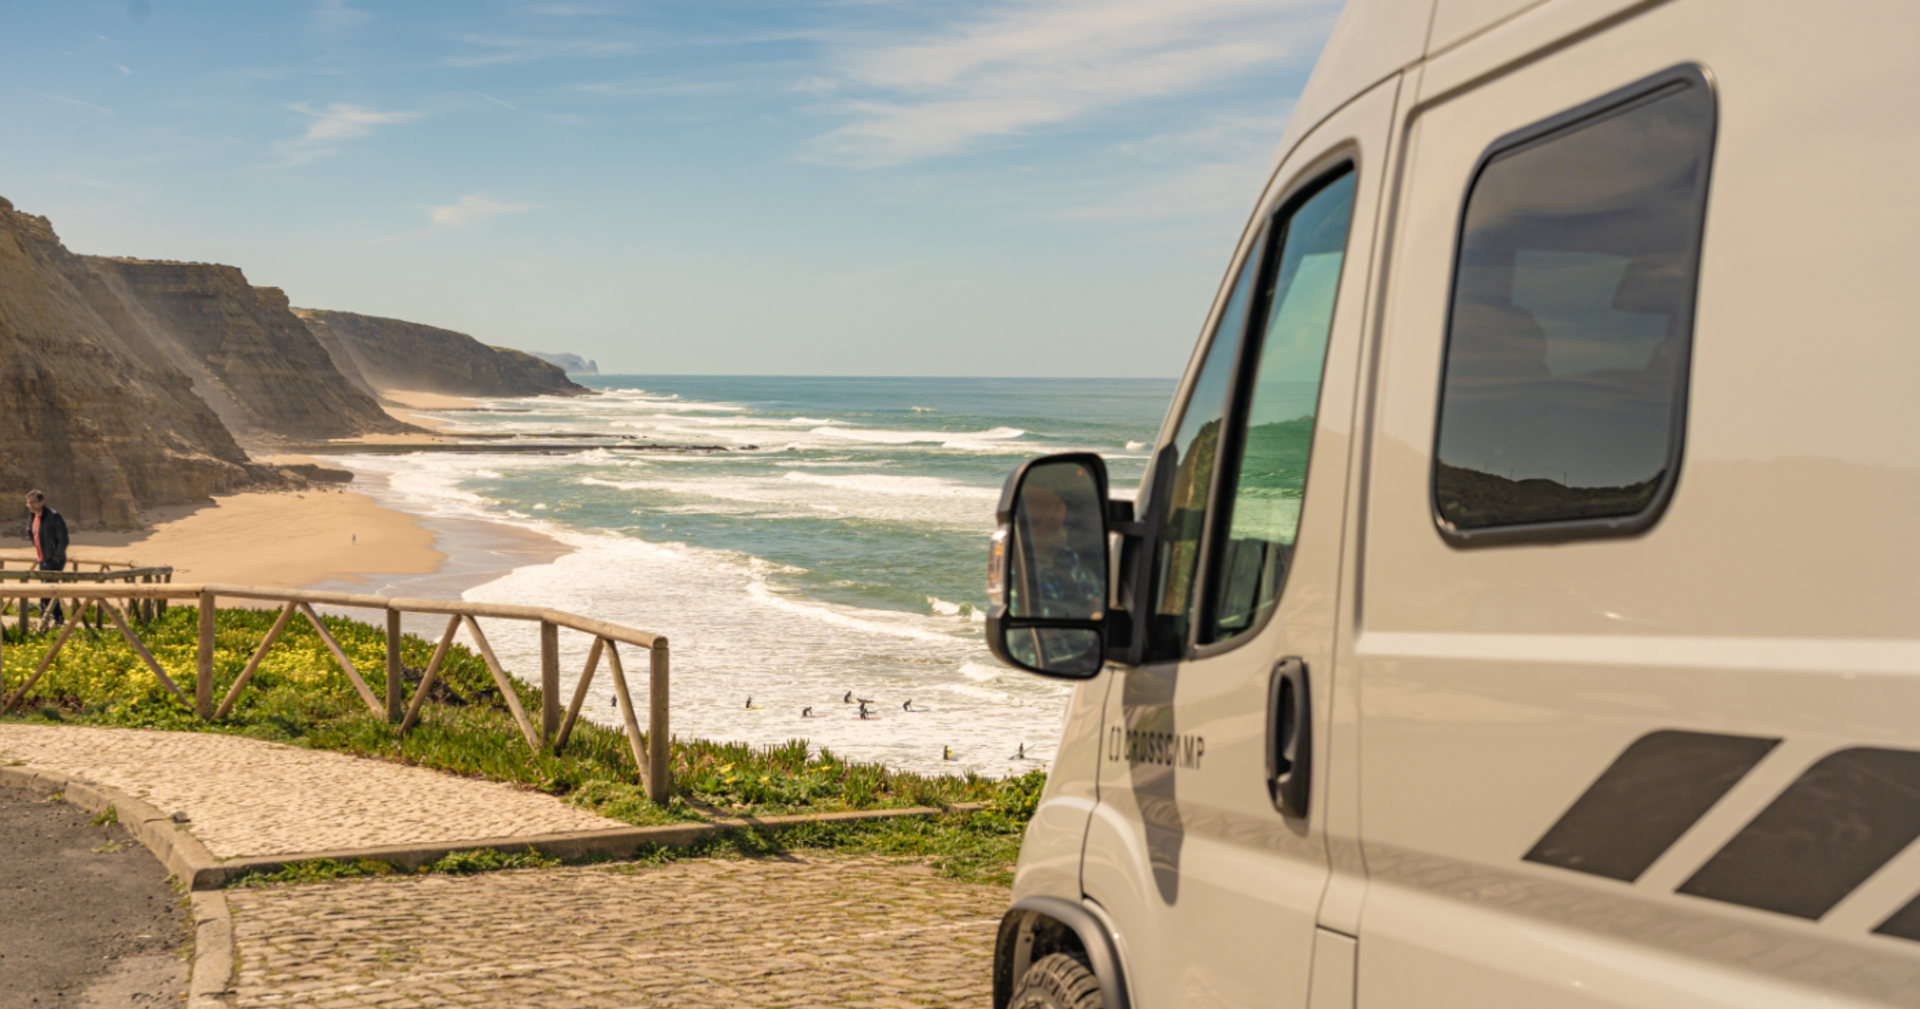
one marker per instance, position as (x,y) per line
(347,538)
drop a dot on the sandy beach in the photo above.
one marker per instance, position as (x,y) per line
(410,403)
(323,536)
(285,540)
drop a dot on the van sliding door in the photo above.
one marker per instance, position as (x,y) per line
(1636,650)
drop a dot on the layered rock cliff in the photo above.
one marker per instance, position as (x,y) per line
(257,364)
(91,411)
(391,354)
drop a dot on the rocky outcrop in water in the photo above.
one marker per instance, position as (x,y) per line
(572,364)
(91,410)
(391,354)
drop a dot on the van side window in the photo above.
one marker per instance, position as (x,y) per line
(1195,444)
(1264,487)
(1563,400)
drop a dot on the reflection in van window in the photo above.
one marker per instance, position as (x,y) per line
(1572,316)
(1194,445)
(1272,473)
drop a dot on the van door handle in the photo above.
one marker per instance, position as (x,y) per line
(1289,738)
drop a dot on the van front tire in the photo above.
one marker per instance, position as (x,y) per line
(1058,981)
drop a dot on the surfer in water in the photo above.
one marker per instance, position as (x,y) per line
(848,699)
(1021,754)
(749,704)
(946,753)
(907,706)
(806,712)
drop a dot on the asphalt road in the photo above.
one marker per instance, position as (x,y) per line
(87,917)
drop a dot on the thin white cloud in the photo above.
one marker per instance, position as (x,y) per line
(120,68)
(494,100)
(75,102)
(471,209)
(467,210)
(517,49)
(656,89)
(573,10)
(1210,171)
(337,122)
(1031,65)
(335,16)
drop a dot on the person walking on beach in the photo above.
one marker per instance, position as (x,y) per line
(49,534)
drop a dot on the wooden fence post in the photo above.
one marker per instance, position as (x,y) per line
(394,706)
(659,739)
(203,680)
(549,682)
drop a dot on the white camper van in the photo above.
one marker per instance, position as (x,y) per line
(1523,604)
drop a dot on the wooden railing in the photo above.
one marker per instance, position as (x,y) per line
(129,572)
(554,729)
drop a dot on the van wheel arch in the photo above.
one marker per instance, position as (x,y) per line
(1037,926)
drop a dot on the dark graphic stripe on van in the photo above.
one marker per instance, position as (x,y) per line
(1659,786)
(1904,923)
(1836,825)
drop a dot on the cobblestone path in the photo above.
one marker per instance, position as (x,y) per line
(789,932)
(248,797)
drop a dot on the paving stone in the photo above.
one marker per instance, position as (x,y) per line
(695,934)
(249,797)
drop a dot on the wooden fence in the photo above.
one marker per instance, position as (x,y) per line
(76,571)
(553,731)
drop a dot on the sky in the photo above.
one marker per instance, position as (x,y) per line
(851,187)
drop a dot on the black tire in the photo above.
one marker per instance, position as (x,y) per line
(1058,981)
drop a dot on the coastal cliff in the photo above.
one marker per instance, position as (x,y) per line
(132,383)
(392,354)
(257,364)
(96,414)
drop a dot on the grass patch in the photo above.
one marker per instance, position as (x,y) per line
(299,696)
(463,863)
(317,870)
(106,818)
(457,863)
(974,847)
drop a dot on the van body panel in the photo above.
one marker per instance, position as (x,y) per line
(1188,840)
(1050,850)
(1373,40)
(1454,20)
(1505,689)
(1674,766)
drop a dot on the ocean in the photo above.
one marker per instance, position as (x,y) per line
(837,547)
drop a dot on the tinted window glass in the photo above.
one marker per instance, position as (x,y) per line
(1572,315)
(1272,473)
(1194,445)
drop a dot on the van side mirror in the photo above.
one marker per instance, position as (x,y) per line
(1047,572)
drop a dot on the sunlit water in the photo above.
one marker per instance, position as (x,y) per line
(838,547)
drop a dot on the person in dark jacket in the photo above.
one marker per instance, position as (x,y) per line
(49,534)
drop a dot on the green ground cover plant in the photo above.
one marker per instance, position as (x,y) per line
(300,696)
